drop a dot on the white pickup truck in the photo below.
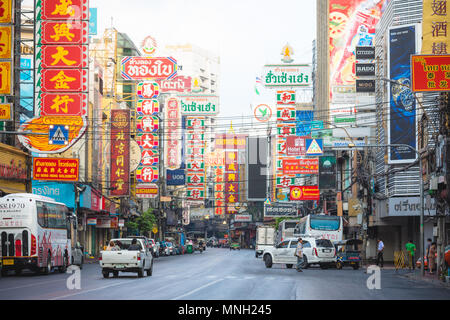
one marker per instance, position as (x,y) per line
(265,239)
(125,260)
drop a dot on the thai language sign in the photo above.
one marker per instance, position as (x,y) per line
(287,75)
(430,73)
(230,141)
(148,68)
(199,104)
(56,169)
(300,193)
(410,206)
(180,84)
(301,166)
(280,210)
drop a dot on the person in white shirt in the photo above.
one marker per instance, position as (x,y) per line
(299,254)
(380,250)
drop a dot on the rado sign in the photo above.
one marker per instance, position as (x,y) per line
(365,69)
(365,53)
(365,85)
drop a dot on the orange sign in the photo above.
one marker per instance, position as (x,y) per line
(6,11)
(430,73)
(5,42)
(5,77)
(5,112)
(57,169)
(304,193)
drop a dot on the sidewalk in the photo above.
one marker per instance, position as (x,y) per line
(432,279)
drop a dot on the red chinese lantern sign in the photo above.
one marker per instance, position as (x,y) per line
(147,174)
(301,193)
(56,169)
(64,32)
(147,90)
(301,166)
(120,153)
(65,10)
(64,80)
(148,68)
(147,107)
(430,73)
(63,56)
(63,104)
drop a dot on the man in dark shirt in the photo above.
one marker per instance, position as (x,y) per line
(134,246)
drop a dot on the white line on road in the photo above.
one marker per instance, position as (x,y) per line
(95,289)
(198,289)
(31,285)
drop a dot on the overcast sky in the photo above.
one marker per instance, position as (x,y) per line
(245,34)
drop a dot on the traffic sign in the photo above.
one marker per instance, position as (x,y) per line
(58,135)
(314,147)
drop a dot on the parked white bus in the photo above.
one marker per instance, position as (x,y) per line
(321,226)
(286,229)
(35,233)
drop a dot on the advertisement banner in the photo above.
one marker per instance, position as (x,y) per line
(430,73)
(287,75)
(179,84)
(56,169)
(148,191)
(410,206)
(148,68)
(202,105)
(173,133)
(302,193)
(402,104)
(351,26)
(176,177)
(230,141)
(6,11)
(301,166)
(296,146)
(120,153)
(327,171)
(280,210)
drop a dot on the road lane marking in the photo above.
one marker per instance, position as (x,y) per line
(32,284)
(198,289)
(95,289)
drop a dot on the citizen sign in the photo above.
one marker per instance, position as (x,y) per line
(363,53)
(365,69)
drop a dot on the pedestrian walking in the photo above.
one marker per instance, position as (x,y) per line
(299,254)
(411,249)
(380,250)
(432,257)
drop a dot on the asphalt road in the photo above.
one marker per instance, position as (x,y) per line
(220,274)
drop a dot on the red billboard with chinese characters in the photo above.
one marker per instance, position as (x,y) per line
(65,9)
(301,166)
(64,80)
(301,193)
(63,56)
(173,129)
(430,73)
(64,32)
(63,104)
(55,169)
(120,153)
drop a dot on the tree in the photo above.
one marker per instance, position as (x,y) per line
(146,221)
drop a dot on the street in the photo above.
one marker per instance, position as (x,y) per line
(219,274)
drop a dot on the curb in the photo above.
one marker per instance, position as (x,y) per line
(433,280)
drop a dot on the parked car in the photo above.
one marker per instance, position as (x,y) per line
(125,260)
(170,248)
(315,251)
(78,255)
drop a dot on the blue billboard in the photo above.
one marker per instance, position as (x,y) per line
(304,120)
(176,177)
(402,104)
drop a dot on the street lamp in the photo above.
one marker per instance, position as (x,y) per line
(422,269)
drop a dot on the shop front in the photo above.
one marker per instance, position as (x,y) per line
(14,170)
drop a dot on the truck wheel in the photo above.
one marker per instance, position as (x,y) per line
(115,274)
(105,274)
(141,272)
(268,261)
(150,271)
(339,265)
(48,268)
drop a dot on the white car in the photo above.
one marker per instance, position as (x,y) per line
(125,260)
(154,246)
(315,251)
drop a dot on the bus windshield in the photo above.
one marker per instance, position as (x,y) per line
(325,223)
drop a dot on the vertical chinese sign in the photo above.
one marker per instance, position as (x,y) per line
(216,160)
(173,138)
(61,87)
(231,181)
(6,50)
(120,153)
(435,21)
(147,124)
(195,130)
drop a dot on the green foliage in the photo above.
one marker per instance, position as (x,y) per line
(278,220)
(132,227)
(143,224)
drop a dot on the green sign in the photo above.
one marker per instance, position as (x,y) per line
(338,119)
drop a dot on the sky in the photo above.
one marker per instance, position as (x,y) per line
(245,34)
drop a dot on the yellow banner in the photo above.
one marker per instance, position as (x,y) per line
(5,112)
(6,11)
(5,42)
(436,17)
(5,77)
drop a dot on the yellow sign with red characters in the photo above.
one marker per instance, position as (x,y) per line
(5,77)
(5,42)
(5,11)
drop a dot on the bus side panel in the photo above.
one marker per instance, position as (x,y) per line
(56,243)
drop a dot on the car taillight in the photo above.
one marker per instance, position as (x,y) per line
(18,248)
(315,252)
(33,245)
(100,258)
(139,258)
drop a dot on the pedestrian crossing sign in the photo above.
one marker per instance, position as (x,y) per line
(58,135)
(314,147)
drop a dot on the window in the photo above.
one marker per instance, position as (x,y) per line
(324,243)
(42,214)
(51,215)
(306,244)
(289,225)
(283,244)
(293,244)
(325,223)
